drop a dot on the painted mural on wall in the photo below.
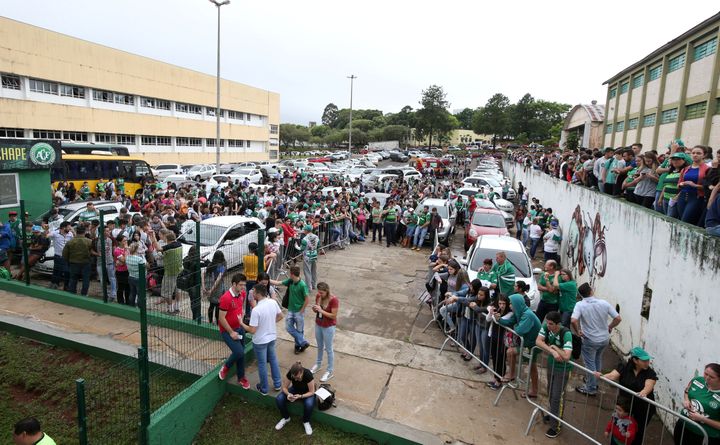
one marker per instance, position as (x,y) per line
(586,250)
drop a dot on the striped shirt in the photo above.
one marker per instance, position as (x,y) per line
(133,263)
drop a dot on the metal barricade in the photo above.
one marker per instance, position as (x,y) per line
(594,417)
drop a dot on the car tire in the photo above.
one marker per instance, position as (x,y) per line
(198,178)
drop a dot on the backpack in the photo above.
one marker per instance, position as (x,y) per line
(324,405)
(576,342)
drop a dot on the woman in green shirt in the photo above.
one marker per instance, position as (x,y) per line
(701,403)
(566,285)
(669,193)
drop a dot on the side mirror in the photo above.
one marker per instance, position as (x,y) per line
(537,271)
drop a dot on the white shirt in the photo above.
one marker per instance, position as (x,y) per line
(535,231)
(550,245)
(593,313)
(263,318)
(59,240)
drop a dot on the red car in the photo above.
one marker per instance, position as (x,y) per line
(484,222)
(320,159)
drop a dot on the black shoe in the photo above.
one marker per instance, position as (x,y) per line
(584,391)
(304,347)
(552,433)
(297,349)
(546,418)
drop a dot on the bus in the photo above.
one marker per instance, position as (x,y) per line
(78,168)
(86,148)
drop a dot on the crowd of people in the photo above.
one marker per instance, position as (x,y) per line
(680,182)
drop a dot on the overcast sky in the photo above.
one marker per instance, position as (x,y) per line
(558,50)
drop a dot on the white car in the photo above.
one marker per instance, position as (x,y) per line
(173,179)
(252,174)
(229,234)
(200,172)
(163,170)
(447,212)
(486,246)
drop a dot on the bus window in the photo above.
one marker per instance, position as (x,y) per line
(89,170)
(142,169)
(73,170)
(125,170)
(108,169)
(57,173)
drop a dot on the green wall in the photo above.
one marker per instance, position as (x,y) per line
(34,190)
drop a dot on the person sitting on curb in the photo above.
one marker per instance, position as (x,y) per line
(299,384)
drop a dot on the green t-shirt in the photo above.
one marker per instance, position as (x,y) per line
(422,219)
(391,215)
(568,295)
(84,192)
(298,292)
(670,185)
(704,402)
(309,246)
(88,215)
(609,166)
(564,343)
(665,164)
(630,179)
(548,297)
(376,215)
(505,273)
(293,216)
(490,276)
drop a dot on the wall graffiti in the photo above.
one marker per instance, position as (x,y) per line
(586,248)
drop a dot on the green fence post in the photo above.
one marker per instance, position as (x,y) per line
(81,416)
(195,290)
(103,266)
(26,258)
(142,304)
(144,381)
(261,251)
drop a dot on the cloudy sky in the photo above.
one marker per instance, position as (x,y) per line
(559,50)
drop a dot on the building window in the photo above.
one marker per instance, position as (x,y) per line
(273,142)
(46,134)
(695,111)
(11,133)
(77,136)
(613,93)
(9,190)
(188,108)
(274,129)
(195,142)
(237,115)
(248,117)
(188,142)
(676,63)
(624,87)
(105,138)
(238,143)
(125,99)
(211,112)
(42,86)
(649,120)
(103,96)
(150,102)
(273,154)
(164,140)
(620,126)
(633,123)
(705,49)
(608,128)
(148,140)
(72,91)
(669,116)
(10,81)
(126,139)
(638,80)
(211,142)
(655,73)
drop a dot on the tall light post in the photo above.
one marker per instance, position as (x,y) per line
(218,4)
(352,77)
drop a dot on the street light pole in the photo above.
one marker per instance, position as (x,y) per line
(218,4)
(352,77)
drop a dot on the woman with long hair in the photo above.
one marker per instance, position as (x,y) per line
(645,180)
(691,198)
(213,285)
(500,306)
(326,310)
(121,271)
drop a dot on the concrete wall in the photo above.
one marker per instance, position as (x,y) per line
(659,272)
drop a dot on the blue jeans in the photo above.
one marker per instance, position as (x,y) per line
(670,211)
(525,236)
(446,312)
(324,338)
(518,229)
(420,233)
(78,270)
(266,353)
(534,242)
(237,352)
(689,207)
(410,231)
(112,293)
(483,341)
(592,357)
(714,231)
(295,325)
(308,405)
(658,206)
(132,291)
(60,272)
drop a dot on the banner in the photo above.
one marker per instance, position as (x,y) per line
(28,154)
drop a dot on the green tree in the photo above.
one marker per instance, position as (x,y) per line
(329,115)
(465,118)
(572,142)
(522,116)
(292,135)
(405,117)
(395,133)
(493,117)
(362,124)
(374,135)
(320,130)
(433,117)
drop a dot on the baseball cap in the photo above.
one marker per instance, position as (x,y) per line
(684,156)
(13,213)
(553,223)
(36,229)
(308,228)
(640,353)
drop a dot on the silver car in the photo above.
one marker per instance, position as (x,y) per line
(446,210)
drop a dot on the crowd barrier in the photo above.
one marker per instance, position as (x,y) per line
(589,416)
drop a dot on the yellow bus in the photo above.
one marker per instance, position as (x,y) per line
(78,168)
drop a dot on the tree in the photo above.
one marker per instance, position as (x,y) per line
(330,115)
(572,142)
(522,116)
(320,131)
(395,133)
(405,117)
(291,134)
(465,118)
(362,124)
(493,117)
(433,117)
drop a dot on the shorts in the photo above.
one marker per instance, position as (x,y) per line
(168,287)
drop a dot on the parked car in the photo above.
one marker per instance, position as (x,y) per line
(446,211)
(253,175)
(398,157)
(163,170)
(487,246)
(229,234)
(484,222)
(200,172)
(379,197)
(226,168)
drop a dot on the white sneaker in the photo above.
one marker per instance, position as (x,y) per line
(315,369)
(308,428)
(282,423)
(327,376)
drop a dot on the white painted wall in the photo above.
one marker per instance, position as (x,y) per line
(631,137)
(666,133)
(673,85)
(692,131)
(700,73)
(715,132)
(652,92)
(646,138)
(636,98)
(677,261)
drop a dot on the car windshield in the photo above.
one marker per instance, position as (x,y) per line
(209,235)
(485,204)
(519,260)
(488,220)
(442,210)
(243,171)
(63,212)
(165,167)
(196,168)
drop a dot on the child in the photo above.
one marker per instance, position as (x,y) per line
(622,426)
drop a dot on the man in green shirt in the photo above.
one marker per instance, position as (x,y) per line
(423,223)
(309,248)
(298,300)
(390,215)
(84,191)
(76,254)
(29,432)
(556,341)
(505,273)
(90,213)
(549,297)
(486,273)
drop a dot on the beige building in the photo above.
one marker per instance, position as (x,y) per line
(587,122)
(59,87)
(455,137)
(673,92)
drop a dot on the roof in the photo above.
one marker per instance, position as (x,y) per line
(500,242)
(105,157)
(230,220)
(594,110)
(669,45)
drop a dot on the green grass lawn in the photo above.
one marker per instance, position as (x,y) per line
(236,421)
(39,380)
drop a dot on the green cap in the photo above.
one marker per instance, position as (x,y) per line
(640,353)
(308,228)
(684,156)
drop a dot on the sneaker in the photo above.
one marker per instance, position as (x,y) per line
(495,386)
(277,389)
(282,423)
(546,418)
(53,286)
(315,369)
(223,372)
(582,390)
(259,388)
(244,383)
(327,376)
(297,349)
(304,347)
(308,428)
(552,433)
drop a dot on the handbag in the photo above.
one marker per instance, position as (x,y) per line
(286,297)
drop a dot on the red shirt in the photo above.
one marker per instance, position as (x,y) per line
(326,322)
(288,232)
(233,304)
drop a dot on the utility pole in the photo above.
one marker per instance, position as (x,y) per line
(352,77)
(218,4)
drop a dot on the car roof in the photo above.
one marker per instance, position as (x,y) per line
(82,204)
(500,242)
(433,202)
(488,210)
(230,220)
